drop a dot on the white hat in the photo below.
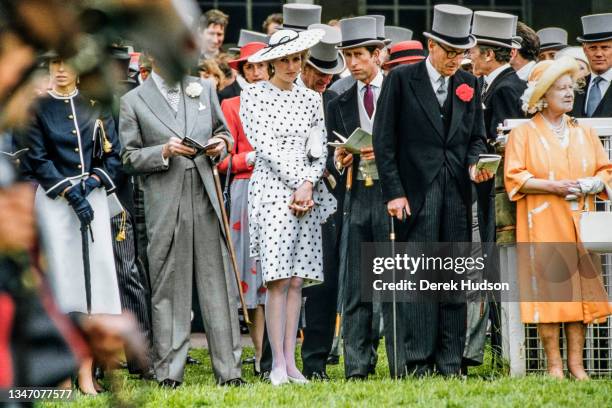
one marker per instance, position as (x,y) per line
(497,29)
(359,32)
(596,27)
(552,38)
(298,16)
(451,26)
(576,52)
(324,56)
(287,42)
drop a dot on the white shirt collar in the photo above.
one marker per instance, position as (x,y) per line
(376,82)
(242,82)
(495,73)
(161,83)
(524,72)
(606,75)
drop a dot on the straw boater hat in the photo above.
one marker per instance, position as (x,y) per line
(286,42)
(298,17)
(405,51)
(496,29)
(541,78)
(245,52)
(397,34)
(552,38)
(248,36)
(596,27)
(359,32)
(380,28)
(451,26)
(324,56)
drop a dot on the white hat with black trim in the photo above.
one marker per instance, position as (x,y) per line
(451,26)
(287,42)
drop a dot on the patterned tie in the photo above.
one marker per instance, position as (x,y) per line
(368,100)
(442,91)
(485,86)
(594,96)
(173,98)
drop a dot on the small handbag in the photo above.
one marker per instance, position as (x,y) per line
(596,231)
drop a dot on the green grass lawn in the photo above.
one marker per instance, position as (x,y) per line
(482,388)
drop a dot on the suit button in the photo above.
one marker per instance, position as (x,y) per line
(66,101)
(76,149)
(74,131)
(70,117)
(79,166)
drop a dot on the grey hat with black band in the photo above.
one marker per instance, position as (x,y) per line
(324,56)
(380,28)
(397,34)
(298,16)
(496,29)
(451,26)
(596,27)
(552,38)
(359,32)
(248,36)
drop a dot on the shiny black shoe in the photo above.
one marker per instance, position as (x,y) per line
(168,383)
(333,360)
(234,382)
(318,376)
(192,361)
(265,376)
(148,375)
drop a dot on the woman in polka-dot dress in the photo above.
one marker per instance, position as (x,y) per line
(287,199)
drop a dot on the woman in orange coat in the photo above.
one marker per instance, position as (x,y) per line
(243,162)
(553,169)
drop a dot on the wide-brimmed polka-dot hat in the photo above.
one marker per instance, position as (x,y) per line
(287,42)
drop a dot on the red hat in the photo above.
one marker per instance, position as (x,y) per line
(245,52)
(403,52)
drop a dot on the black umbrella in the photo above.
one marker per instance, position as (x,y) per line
(344,241)
(86,266)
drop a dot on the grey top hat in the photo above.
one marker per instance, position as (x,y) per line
(397,34)
(451,26)
(380,28)
(248,36)
(596,27)
(359,32)
(497,29)
(552,38)
(324,56)
(298,17)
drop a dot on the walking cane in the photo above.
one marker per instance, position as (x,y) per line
(392,239)
(343,249)
(230,244)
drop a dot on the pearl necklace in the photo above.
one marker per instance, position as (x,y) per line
(558,130)
(63,95)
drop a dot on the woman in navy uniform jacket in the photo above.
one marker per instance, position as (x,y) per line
(73,188)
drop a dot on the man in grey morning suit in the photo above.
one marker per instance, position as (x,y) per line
(186,243)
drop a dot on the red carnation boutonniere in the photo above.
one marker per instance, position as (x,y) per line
(465,92)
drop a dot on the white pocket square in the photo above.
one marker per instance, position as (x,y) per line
(201,107)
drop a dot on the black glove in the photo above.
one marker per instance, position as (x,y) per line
(79,204)
(90,184)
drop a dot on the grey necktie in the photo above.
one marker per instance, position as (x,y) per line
(485,86)
(173,98)
(442,91)
(594,96)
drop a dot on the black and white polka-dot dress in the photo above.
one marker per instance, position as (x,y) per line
(277,124)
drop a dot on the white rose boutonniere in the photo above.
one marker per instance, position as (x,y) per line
(193,90)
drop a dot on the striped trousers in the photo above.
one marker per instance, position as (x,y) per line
(133,284)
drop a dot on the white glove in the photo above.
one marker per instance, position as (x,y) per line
(588,185)
(250,158)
